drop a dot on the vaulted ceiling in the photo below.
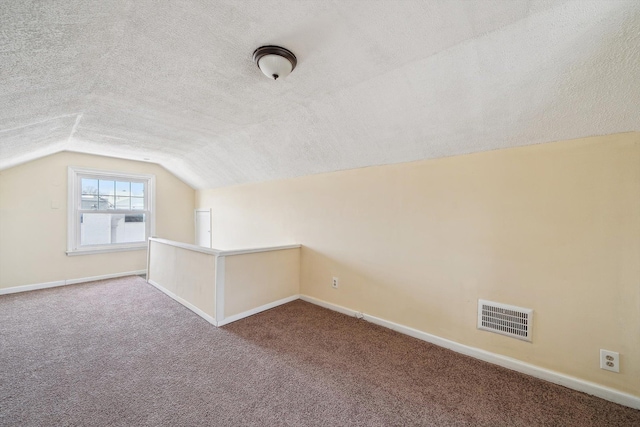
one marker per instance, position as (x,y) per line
(377,82)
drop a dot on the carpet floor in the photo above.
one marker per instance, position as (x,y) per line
(120,353)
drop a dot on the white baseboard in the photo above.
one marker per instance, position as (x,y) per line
(330,306)
(226,320)
(105,276)
(184,302)
(574,383)
(34,287)
(257,310)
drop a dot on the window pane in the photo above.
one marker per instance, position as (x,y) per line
(106,188)
(123,188)
(123,203)
(89,201)
(134,218)
(104,228)
(132,229)
(106,203)
(137,203)
(89,186)
(137,189)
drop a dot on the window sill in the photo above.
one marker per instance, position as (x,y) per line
(93,251)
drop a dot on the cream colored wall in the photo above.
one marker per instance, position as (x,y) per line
(188,274)
(256,279)
(33,233)
(553,227)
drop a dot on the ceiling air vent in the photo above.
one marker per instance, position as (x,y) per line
(505,319)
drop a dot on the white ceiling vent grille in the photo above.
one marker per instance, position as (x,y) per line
(505,319)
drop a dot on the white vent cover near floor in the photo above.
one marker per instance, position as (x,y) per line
(505,319)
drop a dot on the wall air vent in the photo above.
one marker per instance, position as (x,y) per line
(516,322)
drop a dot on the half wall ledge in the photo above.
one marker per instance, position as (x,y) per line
(224,286)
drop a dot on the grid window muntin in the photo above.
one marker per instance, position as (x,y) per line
(126,199)
(98,194)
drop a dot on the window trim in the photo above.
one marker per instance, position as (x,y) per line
(73,210)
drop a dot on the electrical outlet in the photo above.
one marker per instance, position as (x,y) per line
(334,283)
(609,360)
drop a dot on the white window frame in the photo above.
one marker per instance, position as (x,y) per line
(74,210)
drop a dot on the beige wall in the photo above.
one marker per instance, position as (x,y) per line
(33,234)
(553,227)
(190,275)
(256,279)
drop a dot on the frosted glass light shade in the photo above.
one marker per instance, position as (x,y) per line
(274,61)
(275,66)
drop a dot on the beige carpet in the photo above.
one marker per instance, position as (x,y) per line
(120,353)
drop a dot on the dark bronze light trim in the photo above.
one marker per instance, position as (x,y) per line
(275,50)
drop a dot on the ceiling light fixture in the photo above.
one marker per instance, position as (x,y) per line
(274,61)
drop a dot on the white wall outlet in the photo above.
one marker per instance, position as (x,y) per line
(610,360)
(334,283)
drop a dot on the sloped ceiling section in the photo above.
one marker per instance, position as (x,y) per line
(377,82)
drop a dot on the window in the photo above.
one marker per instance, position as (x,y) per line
(109,211)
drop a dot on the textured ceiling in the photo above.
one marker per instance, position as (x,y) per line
(377,81)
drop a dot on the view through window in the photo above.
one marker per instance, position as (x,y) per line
(110,210)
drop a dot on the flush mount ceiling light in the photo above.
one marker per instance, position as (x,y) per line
(274,61)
